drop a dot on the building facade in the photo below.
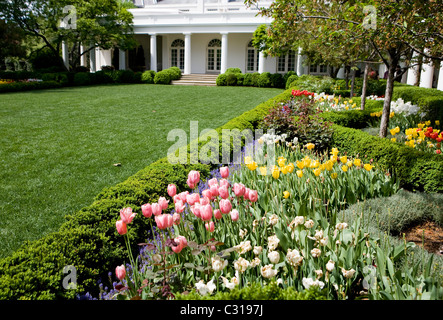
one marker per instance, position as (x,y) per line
(209,36)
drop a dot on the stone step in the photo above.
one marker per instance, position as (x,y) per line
(193,83)
(196,80)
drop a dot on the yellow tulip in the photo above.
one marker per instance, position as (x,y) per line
(394,139)
(310,146)
(344,159)
(248,160)
(357,162)
(437,122)
(334,175)
(349,163)
(281,161)
(252,166)
(368,167)
(291,167)
(334,151)
(344,168)
(333,159)
(284,169)
(286,194)
(317,172)
(263,171)
(300,164)
(421,125)
(428,123)
(276,173)
(299,173)
(329,164)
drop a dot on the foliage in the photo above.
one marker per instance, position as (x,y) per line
(148,76)
(162,77)
(27,86)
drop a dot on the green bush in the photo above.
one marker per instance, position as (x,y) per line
(148,76)
(175,72)
(254,79)
(342,92)
(125,76)
(233,70)
(429,100)
(277,81)
(291,81)
(162,77)
(416,170)
(221,79)
(256,291)
(231,79)
(240,79)
(103,77)
(82,79)
(247,81)
(288,74)
(27,86)
(264,80)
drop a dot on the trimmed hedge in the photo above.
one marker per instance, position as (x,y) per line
(416,170)
(234,77)
(88,239)
(429,100)
(27,86)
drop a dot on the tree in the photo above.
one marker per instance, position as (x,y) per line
(91,24)
(391,28)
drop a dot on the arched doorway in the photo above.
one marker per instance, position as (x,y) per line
(214,56)
(178,54)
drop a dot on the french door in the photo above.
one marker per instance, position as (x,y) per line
(214,60)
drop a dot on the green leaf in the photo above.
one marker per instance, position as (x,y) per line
(284,241)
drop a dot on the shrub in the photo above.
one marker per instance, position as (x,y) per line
(233,70)
(162,77)
(255,291)
(415,169)
(264,80)
(125,76)
(288,74)
(175,72)
(291,81)
(254,79)
(277,80)
(82,79)
(247,80)
(27,86)
(221,79)
(60,77)
(148,76)
(231,79)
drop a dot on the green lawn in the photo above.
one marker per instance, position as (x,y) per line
(58,147)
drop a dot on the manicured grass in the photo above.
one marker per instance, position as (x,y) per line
(58,147)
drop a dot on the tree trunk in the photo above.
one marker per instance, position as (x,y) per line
(347,77)
(352,82)
(364,87)
(388,97)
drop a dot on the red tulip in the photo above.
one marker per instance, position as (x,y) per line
(127,215)
(234,215)
(195,209)
(163,203)
(210,226)
(176,218)
(223,192)
(172,190)
(206,212)
(239,189)
(253,195)
(179,206)
(217,214)
(194,177)
(164,221)
(225,205)
(156,209)
(213,182)
(181,244)
(214,190)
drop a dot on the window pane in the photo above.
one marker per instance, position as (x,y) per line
(251,57)
(174,58)
(323,68)
(182,59)
(218,59)
(281,64)
(312,68)
(211,59)
(291,61)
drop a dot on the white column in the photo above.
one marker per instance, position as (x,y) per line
(65,54)
(300,67)
(153,52)
(261,62)
(122,59)
(413,71)
(224,53)
(83,57)
(105,58)
(187,69)
(427,73)
(92,60)
(440,77)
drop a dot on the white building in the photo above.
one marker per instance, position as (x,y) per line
(209,36)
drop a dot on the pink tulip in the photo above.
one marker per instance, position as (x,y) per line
(224,171)
(217,214)
(207,193)
(246,195)
(253,195)
(214,190)
(156,209)
(164,221)
(223,192)
(192,198)
(120,272)
(179,206)
(239,189)
(147,210)
(196,209)
(183,196)
(206,212)
(210,226)
(172,190)
(225,206)
(163,203)
(127,215)
(176,218)
(121,227)
(213,182)
(194,177)
(181,244)
(190,184)
(224,182)
(204,201)
(234,215)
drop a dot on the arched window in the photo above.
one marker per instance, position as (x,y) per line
(178,54)
(214,55)
(286,62)
(252,55)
